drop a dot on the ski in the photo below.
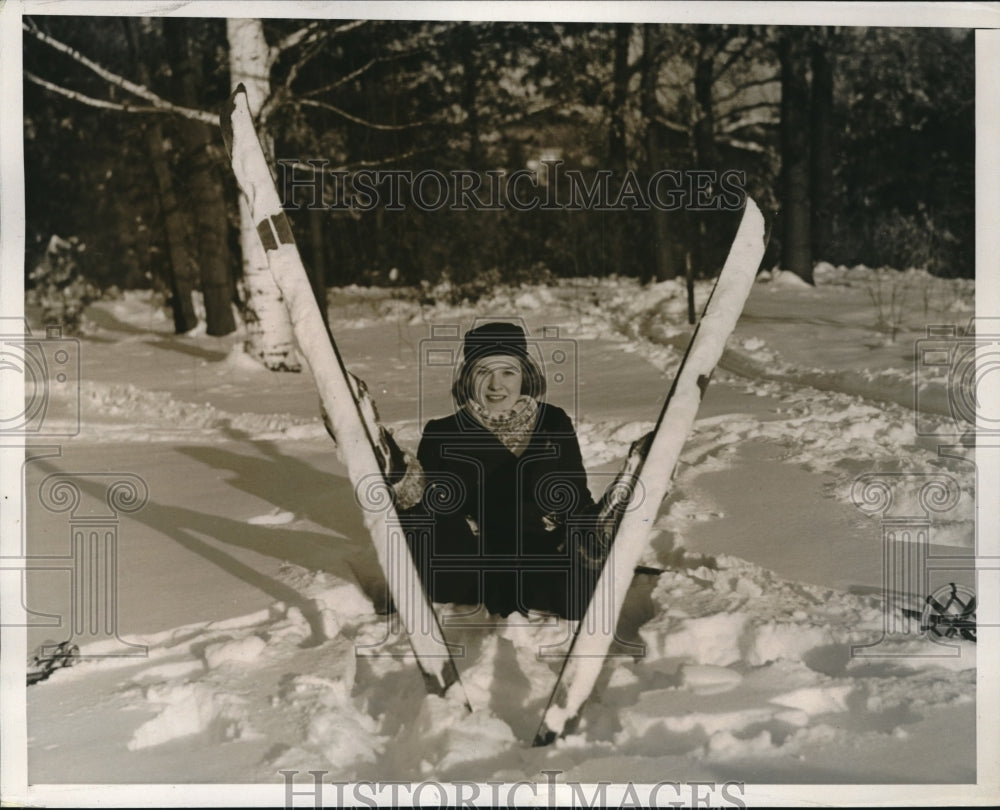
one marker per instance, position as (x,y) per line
(647,472)
(348,412)
(947,613)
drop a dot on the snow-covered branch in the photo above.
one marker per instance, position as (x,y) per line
(671,125)
(158,104)
(168,109)
(295,37)
(746,146)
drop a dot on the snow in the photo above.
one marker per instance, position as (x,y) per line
(250,577)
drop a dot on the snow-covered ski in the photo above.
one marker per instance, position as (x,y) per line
(348,411)
(948,613)
(647,471)
(41,666)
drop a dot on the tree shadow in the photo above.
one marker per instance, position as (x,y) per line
(314,551)
(176,345)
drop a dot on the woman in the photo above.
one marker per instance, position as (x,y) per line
(504,481)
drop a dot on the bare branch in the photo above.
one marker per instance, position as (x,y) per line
(308,102)
(158,103)
(312,35)
(346,78)
(733,56)
(744,123)
(760,105)
(361,164)
(746,86)
(195,115)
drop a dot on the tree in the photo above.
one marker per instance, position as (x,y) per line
(270,338)
(821,149)
(183,278)
(204,186)
(796,240)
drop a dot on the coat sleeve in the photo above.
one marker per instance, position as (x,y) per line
(573,463)
(568,465)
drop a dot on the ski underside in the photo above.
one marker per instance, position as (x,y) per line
(369,452)
(348,411)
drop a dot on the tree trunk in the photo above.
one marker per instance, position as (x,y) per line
(205,196)
(617,149)
(796,240)
(704,127)
(269,330)
(821,151)
(617,146)
(183,279)
(470,89)
(659,255)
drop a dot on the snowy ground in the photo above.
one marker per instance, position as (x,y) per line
(249,577)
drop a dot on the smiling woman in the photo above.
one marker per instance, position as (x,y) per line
(503,476)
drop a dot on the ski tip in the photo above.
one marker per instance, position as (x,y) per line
(226,117)
(446,684)
(545,736)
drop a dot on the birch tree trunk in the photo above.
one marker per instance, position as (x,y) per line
(269,330)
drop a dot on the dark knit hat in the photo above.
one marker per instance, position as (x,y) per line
(497,337)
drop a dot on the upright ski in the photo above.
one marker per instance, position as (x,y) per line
(647,471)
(349,413)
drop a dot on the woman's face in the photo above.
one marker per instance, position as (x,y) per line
(497,382)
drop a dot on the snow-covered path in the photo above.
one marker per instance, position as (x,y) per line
(248,573)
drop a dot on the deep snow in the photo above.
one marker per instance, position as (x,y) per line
(250,577)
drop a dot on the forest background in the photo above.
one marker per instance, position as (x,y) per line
(859,143)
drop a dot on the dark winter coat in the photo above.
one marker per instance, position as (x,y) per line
(497,522)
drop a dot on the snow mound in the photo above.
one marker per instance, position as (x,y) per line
(190,708)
